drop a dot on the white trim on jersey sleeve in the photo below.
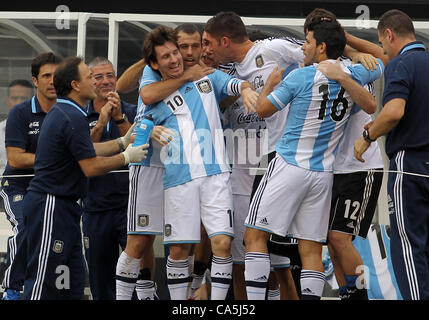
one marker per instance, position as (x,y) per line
(286,92)
(276,101)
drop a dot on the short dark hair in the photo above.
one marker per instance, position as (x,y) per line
(19,82)
(318,15)
(157,37)
(188,28)
(67,71)
(41,60)
(227,24)
(397,21)
(332,34)
(257,35)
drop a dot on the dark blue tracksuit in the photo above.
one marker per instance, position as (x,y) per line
(104,221)
(407,145)
(22,131)
(55,267)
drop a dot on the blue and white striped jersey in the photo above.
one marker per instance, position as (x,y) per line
(152,158)
(193,113)
(318,112)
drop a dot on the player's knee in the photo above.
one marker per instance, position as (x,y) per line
(255,237)
(310,249)
(221,245)
(180,252)
(338,241)
(136,246)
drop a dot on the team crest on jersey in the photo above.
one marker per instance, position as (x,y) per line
(18,197)
(259,61)
(6,183)
(143,220)
(86,242)
(204,86)
(167,230)
(58,246)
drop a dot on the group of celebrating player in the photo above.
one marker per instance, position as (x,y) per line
(292,100)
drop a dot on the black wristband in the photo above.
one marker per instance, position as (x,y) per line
(120,121)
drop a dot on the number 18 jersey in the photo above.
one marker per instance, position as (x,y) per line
(318,113)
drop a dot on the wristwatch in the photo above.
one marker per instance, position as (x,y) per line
(366,137)
(124,118)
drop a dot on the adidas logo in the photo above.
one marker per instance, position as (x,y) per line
(188,89)
(307,291)
(263,221)
(128,274)
(351,225)
(263,278)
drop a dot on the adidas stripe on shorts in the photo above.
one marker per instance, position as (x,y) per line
(146,201)
(292,201)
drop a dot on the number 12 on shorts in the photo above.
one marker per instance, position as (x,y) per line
(356,207)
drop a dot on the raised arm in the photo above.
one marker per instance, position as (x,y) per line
(157,91)
(365,46)
(264,107)
(129,80)
(364,99)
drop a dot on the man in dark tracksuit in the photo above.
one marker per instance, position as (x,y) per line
(405,119)
(65,156)
(22,133)
(104,220)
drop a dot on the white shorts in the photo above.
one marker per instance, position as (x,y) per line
(146,201)
(206,200)
(292,201)
(279,262)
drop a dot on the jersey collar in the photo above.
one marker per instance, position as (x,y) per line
(412,46)
(35,106)
(90,108)
(73,103)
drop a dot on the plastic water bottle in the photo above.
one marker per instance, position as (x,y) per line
(144,131)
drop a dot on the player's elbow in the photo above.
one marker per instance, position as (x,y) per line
(371,107)
(264,113)
(90,173)
(148,96)
(90,167)
(122,88)
(13,164)
(265,109)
